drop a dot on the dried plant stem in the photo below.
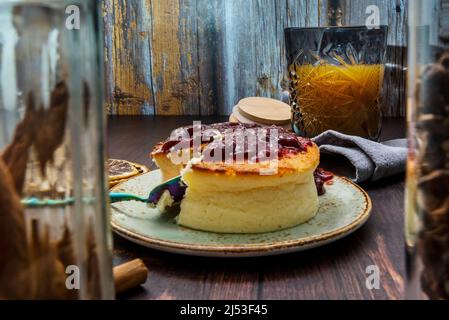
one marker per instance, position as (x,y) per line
(13,246)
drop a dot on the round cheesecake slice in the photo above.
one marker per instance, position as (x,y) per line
(259,184)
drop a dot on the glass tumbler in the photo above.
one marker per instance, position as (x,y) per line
(55,241)
(427,199)
(336,76)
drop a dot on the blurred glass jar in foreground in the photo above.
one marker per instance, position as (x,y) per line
(427,201)
(336,76)
(54,233)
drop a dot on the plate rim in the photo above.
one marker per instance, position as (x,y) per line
(254,248)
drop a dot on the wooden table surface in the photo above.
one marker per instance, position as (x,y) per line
(335,271)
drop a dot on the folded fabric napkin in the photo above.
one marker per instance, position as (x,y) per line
(370,160)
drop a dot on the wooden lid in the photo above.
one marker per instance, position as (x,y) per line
(265,110)
(233,119)
(240,118)
(236,117)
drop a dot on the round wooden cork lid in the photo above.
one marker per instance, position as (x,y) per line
(233,119)
(236,117)
(265,110)
(240,117)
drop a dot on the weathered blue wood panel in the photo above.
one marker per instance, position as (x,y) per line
(201,56)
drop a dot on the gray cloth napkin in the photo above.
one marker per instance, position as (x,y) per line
(371,161)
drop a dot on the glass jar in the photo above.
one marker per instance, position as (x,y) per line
(427,199)
(336,76)
(55,240)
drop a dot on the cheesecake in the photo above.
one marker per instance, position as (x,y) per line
(241,178)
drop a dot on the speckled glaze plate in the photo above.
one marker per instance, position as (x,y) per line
(343,209)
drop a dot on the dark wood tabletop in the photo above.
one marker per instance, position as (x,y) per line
(335,271)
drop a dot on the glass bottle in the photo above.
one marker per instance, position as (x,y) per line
(336,76)
(55,240)
(427,194)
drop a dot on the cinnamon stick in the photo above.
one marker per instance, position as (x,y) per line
(129,275)
(13,246)
(16,154)
(50,135)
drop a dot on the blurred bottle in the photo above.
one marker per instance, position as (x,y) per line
(55,240)
(427,199)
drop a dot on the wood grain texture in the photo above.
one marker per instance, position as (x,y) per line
(211,54)
(392,13)
(394,87)
(200,57)
(395,71)
(336,271)
(441,9)
(128,60)
(169,86)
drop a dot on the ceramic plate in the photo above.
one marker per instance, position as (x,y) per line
(343,209)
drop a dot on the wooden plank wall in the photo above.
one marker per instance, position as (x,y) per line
(199,57)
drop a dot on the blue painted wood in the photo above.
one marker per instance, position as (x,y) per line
(128,27)
(211,54)
(227,50)
(218,51)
